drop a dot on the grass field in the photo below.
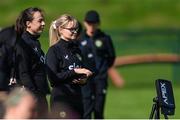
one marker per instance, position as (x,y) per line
(134,103)
(135,99)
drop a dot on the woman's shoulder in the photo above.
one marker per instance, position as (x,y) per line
(20,44)
(54,49)
(56,46)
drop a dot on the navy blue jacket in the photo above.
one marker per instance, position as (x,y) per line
(98,52)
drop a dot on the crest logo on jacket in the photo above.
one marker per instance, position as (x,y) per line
(98,43)
(35,49)
(90,55)
(84,42)
(66,57)
(62,114)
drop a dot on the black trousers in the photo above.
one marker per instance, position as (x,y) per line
(42,107)
(94,96)
(66,106)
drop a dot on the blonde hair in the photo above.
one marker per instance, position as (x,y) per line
(62,21)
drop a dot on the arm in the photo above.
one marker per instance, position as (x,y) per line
(24,69)
(111,52)
(52,64)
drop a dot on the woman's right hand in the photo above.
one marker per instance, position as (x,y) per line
(83,71)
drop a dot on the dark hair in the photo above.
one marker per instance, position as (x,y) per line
(25,15)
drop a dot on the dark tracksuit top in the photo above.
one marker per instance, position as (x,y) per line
(7,43)
(4,69)
(99,52)
(61,59)
(31,71)
(98,55)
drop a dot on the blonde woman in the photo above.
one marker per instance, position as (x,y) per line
(65,69)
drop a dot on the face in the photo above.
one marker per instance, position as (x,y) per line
(91,28)
(69,32)
(36,26)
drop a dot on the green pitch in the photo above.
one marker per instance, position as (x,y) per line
(135,99)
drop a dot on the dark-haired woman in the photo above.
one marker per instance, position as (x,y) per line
(30,57)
